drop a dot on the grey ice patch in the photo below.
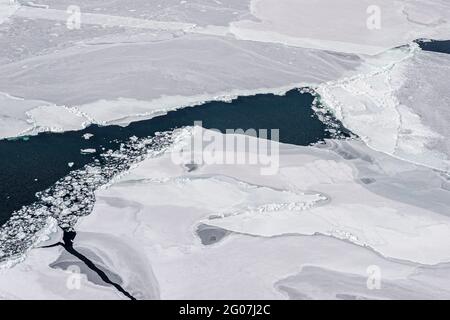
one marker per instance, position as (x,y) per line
(121,258)
(294,294)
(121,203)
(320,283)
(210,235)
(368,180)
(191,167)
(405,185)
(409,187)
(65,261)
(347,152)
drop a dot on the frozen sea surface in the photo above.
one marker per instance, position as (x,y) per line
(371,209)
(312,230)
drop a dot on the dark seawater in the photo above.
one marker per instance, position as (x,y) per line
(435,46)
(37,162)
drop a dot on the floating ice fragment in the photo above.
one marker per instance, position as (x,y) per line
(87,151)
(87,136)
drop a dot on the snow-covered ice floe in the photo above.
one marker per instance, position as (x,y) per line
(361,26)
(331,212)
(160,76)
(397,103)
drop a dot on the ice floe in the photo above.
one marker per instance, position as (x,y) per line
(158,205)
(386,104)
(353,26)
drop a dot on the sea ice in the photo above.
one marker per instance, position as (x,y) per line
(332,211)
(347,25)
(157,207)
(397,103)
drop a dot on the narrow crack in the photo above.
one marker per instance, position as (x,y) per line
(68,238)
